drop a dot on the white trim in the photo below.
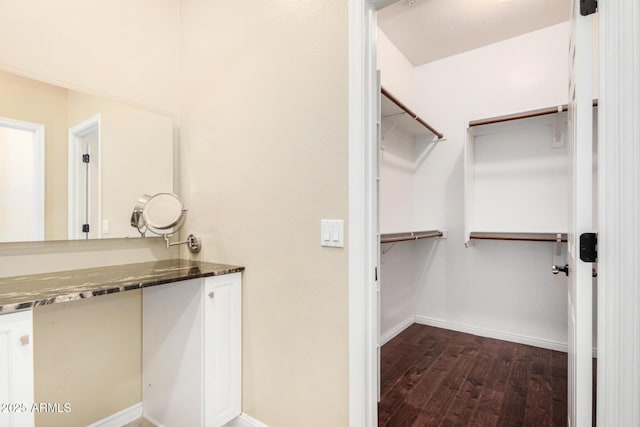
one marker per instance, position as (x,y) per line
(493,333)
(363,327)
(38,200)
(73,154)
(153,421)
(120,418)
(396,330)
(618,214)
(244,420)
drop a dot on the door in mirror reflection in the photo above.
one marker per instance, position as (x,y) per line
(21,180)
(84,179)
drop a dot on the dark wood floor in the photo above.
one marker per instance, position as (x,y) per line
(438,377)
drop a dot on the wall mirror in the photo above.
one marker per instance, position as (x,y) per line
(72,164)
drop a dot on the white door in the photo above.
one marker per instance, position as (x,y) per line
(580,218)
(84,180)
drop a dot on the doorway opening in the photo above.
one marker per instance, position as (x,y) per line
(22,171)
(498,286)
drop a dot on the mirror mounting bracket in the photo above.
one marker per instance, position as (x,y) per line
(193,243)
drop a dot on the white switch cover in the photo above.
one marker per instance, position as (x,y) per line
(332,233)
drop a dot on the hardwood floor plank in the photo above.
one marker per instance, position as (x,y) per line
(437,377)
(467,400)
(515,396)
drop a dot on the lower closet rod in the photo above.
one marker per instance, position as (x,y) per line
(411,237)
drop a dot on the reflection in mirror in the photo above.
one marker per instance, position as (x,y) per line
(72,163)
(21,180)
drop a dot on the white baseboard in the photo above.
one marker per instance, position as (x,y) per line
(120,418)
(493,333)
(395,331)
(152,421)
(244,420)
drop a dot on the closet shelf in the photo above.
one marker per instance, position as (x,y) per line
(525,237)
(409,235)
(415,125)
(524,115)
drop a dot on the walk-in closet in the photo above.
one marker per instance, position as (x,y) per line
(475,192)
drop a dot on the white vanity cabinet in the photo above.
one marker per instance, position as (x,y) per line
(191,352)
(16,369)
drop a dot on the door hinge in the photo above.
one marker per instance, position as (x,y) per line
(376,274)
(85,228)
(85,158)
(588,7)
(589,247)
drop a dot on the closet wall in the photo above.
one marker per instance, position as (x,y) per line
(496,288)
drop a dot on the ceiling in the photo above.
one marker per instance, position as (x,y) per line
(434,29)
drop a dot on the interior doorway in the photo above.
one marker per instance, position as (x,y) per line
(84,180)
(444,101)
(22,163)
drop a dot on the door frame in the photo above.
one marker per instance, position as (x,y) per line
(363,339)
(618,210)
(75,133)
(38,161)
(618,383)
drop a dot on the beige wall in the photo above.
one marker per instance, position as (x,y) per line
(125,49)
(95,382)
(122,49)
(263,159)
(32,101)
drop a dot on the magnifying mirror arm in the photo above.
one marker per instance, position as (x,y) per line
(193,243)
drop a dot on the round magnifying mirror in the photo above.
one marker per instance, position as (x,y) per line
(163,213)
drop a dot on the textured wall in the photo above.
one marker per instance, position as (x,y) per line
(263,159)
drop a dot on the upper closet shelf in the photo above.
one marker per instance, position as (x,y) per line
(525,237)
(407,120)
(524,115)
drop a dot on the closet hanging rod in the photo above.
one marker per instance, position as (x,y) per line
(526,237)
(410,113)
(403,237)
(518,116)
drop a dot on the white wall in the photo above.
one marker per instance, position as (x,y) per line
(16,185)
(398,71)
(397,288)
(504,287)
(397,168)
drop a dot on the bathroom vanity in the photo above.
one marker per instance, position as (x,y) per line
(191,337)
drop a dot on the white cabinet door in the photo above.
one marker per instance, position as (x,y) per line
(222,349)
(192,352)
(16,369)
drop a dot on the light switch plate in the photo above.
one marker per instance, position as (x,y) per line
(332,233)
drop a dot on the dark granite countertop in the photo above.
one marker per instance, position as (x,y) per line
(25,292)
